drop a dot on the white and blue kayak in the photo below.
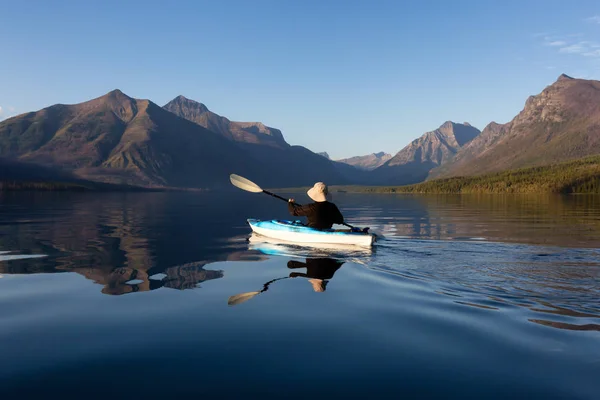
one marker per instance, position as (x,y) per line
(295,231)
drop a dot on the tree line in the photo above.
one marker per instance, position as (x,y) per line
(578,176)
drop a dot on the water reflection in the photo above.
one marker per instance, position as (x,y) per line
(132,243)
(560,220)
(319,271)
(274,247)
(564,325)
(127,243)
(125,280)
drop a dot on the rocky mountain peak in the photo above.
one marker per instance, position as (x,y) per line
(564,77)
(115,95)
(435,147)
(116,92)
(447,127)
(183,102)
(454,134)
(565,96)
(368,162)
(243,132)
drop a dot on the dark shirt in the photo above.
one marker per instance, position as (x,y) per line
(321,215)
(316,268)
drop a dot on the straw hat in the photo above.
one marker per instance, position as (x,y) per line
(319,192)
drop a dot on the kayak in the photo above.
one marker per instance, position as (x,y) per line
(295,231)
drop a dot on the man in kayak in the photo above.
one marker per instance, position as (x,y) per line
(321,214)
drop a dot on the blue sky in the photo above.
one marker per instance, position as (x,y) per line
(345,77)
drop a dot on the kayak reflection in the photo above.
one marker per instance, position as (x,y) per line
(274,247)
(318,271)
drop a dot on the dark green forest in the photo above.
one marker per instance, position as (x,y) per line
(578,176)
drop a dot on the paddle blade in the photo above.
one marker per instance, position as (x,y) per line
(244,184)
(240,298)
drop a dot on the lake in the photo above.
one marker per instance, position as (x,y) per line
(125,295)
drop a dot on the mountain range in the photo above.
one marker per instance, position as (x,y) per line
(561,123)
(115,138)
(284,164)
(242,132)
(368,162)
(118,139)
(413,163)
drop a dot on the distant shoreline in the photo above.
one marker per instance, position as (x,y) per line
(403,190)
(581,176)
(53,186)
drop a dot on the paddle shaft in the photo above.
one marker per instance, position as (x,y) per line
(274,195)
(266,285)
(286,200)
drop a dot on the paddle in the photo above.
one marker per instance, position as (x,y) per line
(242,297)
(249,186)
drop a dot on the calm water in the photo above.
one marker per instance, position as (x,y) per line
(126,296)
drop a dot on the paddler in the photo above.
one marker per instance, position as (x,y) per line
(321,214)
(319,270)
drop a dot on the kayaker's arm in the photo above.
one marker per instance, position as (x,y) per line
(296,264)
(299,211)
(338,218)
(298,275)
